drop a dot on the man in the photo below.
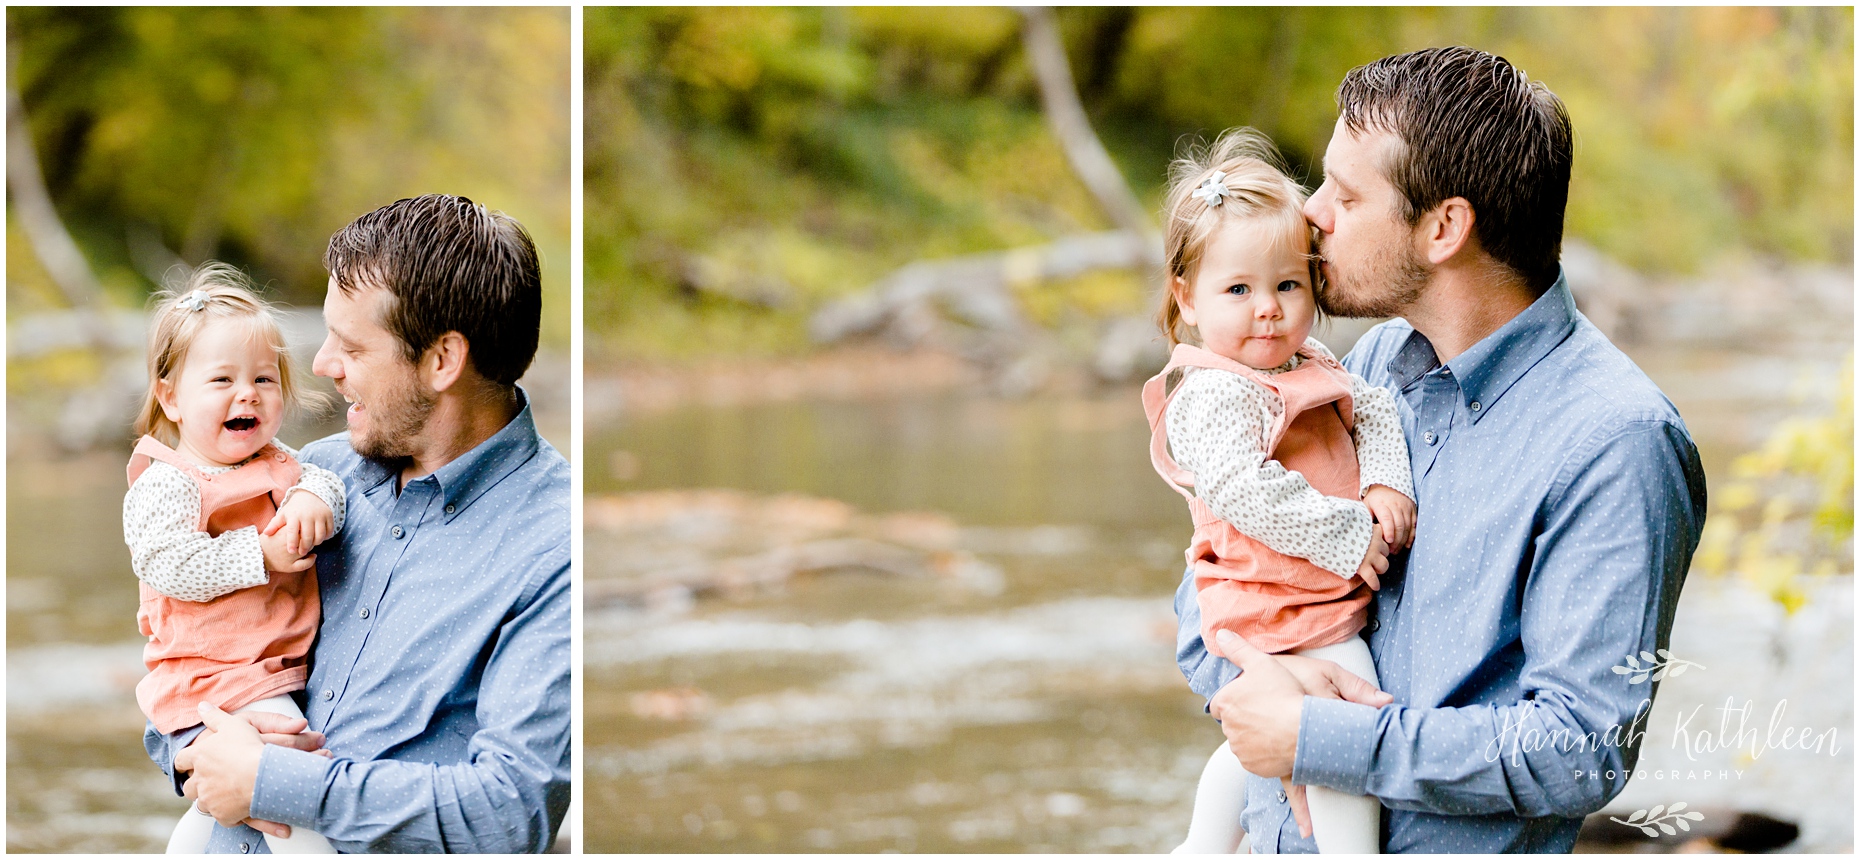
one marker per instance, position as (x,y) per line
(441,671)
(1560,495)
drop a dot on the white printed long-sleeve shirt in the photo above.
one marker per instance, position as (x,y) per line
(1218,425)
(171,552)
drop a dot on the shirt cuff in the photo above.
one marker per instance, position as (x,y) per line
(289,788)
(163,748)
(1336,740)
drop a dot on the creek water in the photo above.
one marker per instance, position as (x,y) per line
(869,713)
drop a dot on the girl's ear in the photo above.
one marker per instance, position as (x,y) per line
(170,405)
(1184,299)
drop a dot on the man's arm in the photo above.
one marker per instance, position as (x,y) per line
(509,795)
(1603,583)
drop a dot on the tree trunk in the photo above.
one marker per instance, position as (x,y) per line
(32,204)
(1060,100)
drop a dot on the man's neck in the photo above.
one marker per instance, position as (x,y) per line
(1466,302)
(461,421)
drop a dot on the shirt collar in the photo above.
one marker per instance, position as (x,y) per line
(1487,370)
(466,478)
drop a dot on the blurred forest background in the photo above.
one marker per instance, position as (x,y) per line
(843,595)
(744,166)
(140,139)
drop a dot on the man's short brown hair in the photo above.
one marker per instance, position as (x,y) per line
(450,265)
(1472,125)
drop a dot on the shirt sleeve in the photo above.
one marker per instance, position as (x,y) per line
(1381,450)
(167,550)
(1602,583)
(319,482)
(1217,427)
(508,794)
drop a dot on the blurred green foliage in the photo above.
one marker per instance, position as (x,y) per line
(742,165)
(1788,511)
(251,134)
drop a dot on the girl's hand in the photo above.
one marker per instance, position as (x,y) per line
(1395,515)
(304,521)
(1375,561)
(280,557)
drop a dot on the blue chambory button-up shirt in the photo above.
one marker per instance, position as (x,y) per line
(441,669)
(1560,502)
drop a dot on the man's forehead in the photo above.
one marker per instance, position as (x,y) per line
(1359,154)
(361,305)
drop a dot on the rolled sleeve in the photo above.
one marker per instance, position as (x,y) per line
(1336,745)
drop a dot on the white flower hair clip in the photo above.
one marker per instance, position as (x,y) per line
(194,301)
(1214,190)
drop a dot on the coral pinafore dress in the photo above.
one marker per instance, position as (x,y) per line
(240,647)
(1277,602)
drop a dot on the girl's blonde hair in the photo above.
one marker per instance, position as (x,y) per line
(1257,187)
(177,323)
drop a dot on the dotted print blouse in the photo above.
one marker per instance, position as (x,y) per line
(167,549)
(1218,426)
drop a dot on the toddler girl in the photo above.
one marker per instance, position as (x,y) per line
(220,520)
(1298,470)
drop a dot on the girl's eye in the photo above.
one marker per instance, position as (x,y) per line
(1239,289)
(222,379)
(1288,286)
(264,380)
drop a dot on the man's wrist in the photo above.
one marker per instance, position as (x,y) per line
(1336,743)
(290,785)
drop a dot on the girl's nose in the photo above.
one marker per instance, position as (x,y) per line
(1267,307)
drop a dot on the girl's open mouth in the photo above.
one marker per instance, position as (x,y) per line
(240,425)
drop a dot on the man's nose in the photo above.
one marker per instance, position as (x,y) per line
(324,364)
(1316,208)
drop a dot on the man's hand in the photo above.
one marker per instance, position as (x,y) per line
(224,764)
(304,521)
(275,729)
(1259,711)
(1394,515)
(1282,682)
(1327,680)
(1375,561)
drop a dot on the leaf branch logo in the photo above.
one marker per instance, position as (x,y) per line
(1645,820)
(1657,668)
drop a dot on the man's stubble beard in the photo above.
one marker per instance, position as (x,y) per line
(1388,289)
(397,423)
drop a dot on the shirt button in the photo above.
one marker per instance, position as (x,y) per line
(245,847)
(329,695)
(451,508)
(279,456)
(397,532)
(1427,437)
(1281,797)
(364,612)
(1475,406)
(1374,625)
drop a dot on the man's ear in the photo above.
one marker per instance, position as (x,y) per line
(1184,299)
(1445,230)
(444,361)
(170,405)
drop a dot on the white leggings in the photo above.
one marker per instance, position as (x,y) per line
(1341,823)
(196,827)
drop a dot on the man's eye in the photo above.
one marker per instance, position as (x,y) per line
(1288,286)
(1239,289)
